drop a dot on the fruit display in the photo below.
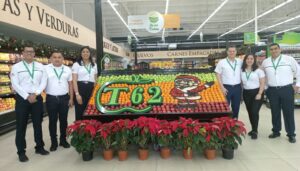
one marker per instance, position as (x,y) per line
(162,64)
(7,104)
(10,57)
(5,90)
(157,94)
(4,68)
(4,79)
(68,62)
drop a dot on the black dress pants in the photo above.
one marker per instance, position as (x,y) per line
(282,98)
(85,90)
(253,106)
(58,108)
(23,109)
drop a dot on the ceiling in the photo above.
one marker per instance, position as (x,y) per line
(192,12)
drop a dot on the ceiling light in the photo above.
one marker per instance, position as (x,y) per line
(166,12)
(294,28)
(291,19)
(211,15)
(123,21)
(261,15)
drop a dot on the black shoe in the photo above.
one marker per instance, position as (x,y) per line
(53,148)
(23,158)
(274,135)
(64,144)
(292,139)
(254,135)
(42,151)
(250,133)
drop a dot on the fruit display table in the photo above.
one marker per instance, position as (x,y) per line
(165,94)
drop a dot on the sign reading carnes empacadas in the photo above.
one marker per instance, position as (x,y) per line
(38,17)
(177,53)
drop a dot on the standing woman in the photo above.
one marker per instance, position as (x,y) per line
(253,80)
(84,78)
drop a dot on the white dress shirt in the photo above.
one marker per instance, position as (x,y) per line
(252,82)
(23,83)
(82,72)
(230,71)
(55,86)
(287,69)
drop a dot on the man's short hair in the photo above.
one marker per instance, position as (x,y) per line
(56,51)
(274,44)
(231,46)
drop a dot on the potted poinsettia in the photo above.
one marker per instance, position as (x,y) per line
(123,132)
(165,138)
(143,130)
(106,138)
(82,134)
(232,132)
(212,140)
(187,135)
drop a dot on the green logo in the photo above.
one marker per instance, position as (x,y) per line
(153,19)
(136,97)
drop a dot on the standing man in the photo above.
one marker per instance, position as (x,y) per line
(29,79)
(280,72)
(59,98)
(229,76)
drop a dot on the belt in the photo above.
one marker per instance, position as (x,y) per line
(60,96)
(279,87)
(232,85)
(86,82)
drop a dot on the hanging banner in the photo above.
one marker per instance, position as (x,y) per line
(155,22)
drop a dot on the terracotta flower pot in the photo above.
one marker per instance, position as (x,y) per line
(210,154)
(187,154)
(123,155)
(108,154)
(143,154)
(165,152)
(87,155)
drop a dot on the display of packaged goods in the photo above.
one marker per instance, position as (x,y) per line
(7,104)
(5,90)
(10,57)
(162,64)
(5,67)
(68,62)
(4,79)
(181,93)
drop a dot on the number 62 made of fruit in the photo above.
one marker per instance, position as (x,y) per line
(136,97)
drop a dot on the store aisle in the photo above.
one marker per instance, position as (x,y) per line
(259,155)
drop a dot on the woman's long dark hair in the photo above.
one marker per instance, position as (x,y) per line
(254,66)
(79,60)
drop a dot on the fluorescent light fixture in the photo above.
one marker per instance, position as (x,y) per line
(166,12)
(294,28)
(291,19)
(261,15)
(123,21)
(208,18)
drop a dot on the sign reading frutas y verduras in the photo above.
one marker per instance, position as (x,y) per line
(37,17)
(157,94)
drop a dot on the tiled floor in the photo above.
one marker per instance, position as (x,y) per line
(262,154)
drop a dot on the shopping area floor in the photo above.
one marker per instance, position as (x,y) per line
(262,154)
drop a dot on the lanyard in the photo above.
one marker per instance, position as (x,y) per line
(232,67)
(59,76)
(276,66)
(248,74)
(31,74)
(89,68)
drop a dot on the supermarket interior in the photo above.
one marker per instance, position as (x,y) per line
(150,85)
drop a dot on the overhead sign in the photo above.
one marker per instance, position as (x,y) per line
(155,22)
(137,21)
(177,53)
(171,21)
(38,17)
